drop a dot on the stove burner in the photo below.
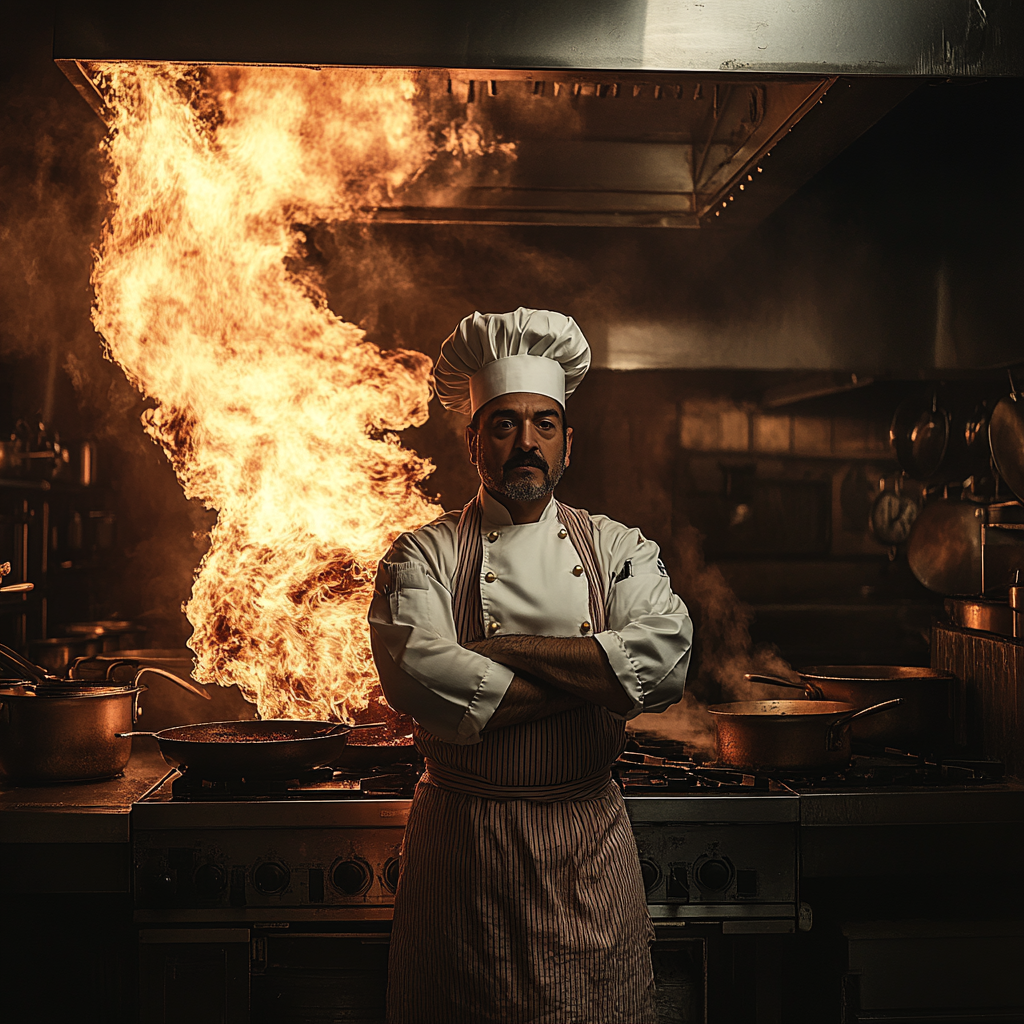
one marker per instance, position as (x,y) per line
(318,784)
(640,771)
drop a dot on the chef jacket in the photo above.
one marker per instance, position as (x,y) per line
(531,582)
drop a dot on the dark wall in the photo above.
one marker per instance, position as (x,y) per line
(861,245)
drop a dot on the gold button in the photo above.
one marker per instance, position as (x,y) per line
(490,577)
(493,536)
(584,627)
(494,627)
(577,570)
(562,534)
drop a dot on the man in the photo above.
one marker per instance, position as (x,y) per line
(520,634)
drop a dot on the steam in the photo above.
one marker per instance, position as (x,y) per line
(724,651)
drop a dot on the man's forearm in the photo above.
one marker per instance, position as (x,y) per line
(528,701)
(575,665)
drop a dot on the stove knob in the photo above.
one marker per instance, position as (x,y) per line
(270,878)
(391,870)
(164,885)
(209,881)
(714,875)
(651,874)
(351,877)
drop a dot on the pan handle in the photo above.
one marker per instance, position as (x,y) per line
(813,692)
(184,684)
(125,735)
(835,730)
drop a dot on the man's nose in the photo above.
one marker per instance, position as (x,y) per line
(527,438)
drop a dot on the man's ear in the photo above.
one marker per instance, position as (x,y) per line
(568,446)
(471,442)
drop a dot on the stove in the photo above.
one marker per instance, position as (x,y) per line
(715,844)
(321,847)
(257,896)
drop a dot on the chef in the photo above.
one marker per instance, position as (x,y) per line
(521,635)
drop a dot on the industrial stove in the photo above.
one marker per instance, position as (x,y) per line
(274,900)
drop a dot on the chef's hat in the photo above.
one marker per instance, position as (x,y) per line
(491,354)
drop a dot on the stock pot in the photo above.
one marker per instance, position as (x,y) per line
(65,733)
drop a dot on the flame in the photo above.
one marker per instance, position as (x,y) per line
(273,410)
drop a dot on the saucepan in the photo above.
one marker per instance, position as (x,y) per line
(787,735)
(274,748)
(923,722)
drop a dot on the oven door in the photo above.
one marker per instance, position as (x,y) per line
(263,974)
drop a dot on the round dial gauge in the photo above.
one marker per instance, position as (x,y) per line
(892,516)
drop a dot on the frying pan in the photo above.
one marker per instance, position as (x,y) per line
(1006,438)
(944,547)
(919,435)
(233,750)
(367,754)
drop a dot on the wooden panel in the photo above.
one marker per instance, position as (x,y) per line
(991,670)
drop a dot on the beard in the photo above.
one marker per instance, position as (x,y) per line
(523,489)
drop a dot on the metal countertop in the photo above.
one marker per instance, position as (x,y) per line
(79,812)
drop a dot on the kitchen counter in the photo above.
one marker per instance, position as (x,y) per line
(911,832)
(74,836)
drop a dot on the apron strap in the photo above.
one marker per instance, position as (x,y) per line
(466,605)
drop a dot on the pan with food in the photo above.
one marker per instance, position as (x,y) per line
(276,748)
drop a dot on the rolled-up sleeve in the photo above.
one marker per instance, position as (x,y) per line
(650,631)
(450,691)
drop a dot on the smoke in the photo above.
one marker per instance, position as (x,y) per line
(723,651)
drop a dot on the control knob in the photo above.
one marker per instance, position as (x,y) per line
(209,881)
(351,877)
(714,875)
(391,871)
(651,874)
(270,878)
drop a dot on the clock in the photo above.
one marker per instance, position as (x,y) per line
(892,516)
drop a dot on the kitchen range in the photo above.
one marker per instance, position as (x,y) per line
(806,387)
(272,901)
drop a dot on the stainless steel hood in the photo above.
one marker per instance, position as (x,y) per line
(654,113)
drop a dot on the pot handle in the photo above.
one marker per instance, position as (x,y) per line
(34,671)
(813,692)
(184,684)
(835,730)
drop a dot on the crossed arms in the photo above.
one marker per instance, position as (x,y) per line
(552,674)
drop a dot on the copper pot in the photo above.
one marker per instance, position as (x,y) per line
(923,722)
(787,735)
(66,735)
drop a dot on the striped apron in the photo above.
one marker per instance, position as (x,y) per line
(520,899)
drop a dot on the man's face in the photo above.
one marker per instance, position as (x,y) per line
(520,445)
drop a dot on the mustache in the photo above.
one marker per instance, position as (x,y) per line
(531,459)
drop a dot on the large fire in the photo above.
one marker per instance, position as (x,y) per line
(273,410)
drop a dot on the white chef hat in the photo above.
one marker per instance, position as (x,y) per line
(491,354)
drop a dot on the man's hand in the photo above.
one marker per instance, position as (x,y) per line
(527,701)
(574,665)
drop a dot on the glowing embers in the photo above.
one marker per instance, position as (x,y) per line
(273,410)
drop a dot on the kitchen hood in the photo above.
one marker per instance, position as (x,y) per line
(622,112)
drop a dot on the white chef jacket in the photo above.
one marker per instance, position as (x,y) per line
(531,582)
